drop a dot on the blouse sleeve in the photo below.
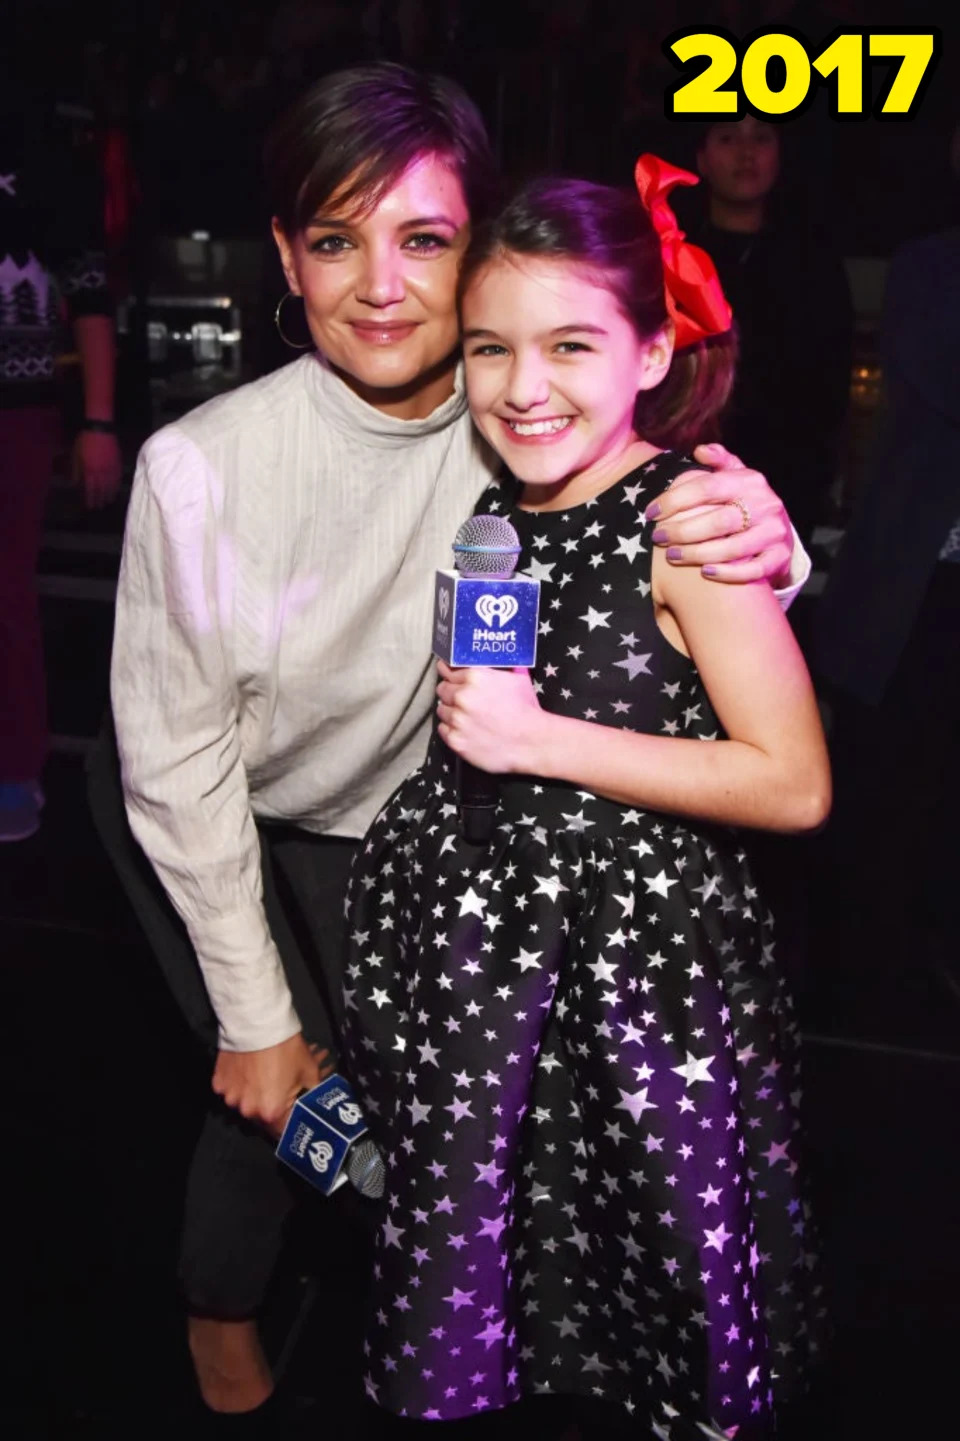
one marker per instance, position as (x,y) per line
(800,567)
(175,707)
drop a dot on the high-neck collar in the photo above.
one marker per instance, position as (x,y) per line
(348,413)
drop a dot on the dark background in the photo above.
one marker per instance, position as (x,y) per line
(104,1088)
(573,85)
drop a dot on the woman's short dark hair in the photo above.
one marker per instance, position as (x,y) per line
(609,233)
(356,131)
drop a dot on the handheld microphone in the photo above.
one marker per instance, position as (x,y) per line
(325,1140)
(484,615)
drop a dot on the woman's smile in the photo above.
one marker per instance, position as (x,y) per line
(383,332)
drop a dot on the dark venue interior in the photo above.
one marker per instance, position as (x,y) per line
(171,100)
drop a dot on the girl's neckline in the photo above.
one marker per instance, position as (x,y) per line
(593,499)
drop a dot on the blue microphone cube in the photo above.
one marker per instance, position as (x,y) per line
(320,1130)
(479,620)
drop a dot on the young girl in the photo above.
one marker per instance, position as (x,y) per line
(574,1042)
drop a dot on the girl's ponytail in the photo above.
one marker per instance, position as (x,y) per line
(685,409)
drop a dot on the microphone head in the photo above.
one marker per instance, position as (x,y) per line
(486,545)
(366,1171)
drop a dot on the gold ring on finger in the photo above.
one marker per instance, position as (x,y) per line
(744,510)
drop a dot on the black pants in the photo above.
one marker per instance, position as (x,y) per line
(239,1198)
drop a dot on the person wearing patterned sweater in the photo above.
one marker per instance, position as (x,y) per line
(51,270)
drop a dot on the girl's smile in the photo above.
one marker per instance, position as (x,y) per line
(539,431)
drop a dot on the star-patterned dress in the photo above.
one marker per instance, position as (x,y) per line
(578,1055)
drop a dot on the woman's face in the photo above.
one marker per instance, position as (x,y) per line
(379,288)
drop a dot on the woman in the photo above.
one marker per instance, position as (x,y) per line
(272,678)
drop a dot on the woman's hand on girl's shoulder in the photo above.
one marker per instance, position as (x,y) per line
(726,521)
(491,717)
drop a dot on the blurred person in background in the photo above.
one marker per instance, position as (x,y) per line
(52,267)
(791,303)
(887,636)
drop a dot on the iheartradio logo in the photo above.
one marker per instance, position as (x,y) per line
(497,608)
(443,604)
(321,1154)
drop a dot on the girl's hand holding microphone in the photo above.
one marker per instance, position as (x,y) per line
(491,718)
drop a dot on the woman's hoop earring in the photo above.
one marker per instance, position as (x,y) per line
(306,345)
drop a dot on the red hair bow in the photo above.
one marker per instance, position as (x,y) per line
(695,300)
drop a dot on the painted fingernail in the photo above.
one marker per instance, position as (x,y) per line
(659,535)
(673,552)
(652,511)
(709,570)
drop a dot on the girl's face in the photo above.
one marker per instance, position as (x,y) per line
(553,370)
(379,289)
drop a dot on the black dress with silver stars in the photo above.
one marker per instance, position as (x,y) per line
(579,1057)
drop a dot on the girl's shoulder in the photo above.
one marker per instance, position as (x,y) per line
(648,480)
(659,473)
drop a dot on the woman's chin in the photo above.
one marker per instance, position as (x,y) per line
(392,372)
(392,375)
